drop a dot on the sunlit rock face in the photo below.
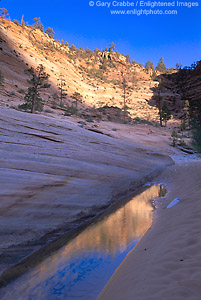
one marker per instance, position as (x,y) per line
(23,49)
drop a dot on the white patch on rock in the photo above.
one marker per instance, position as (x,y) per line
(173,203)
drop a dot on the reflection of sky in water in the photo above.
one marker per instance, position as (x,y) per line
(80,269)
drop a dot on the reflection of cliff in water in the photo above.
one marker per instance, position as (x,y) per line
(114,232)
(117,230)
(105,242)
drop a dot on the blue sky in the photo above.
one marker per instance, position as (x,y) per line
(175,37)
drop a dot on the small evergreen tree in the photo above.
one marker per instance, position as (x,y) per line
(187,112)
(71,110)
(37,24)
(16,22)
(78,98)
(37,82)
(196,138)
(174,137)
(183,126)
(61,85)
(195,121)
(166,114)
(159,100)
(178,65)
(55,98)
(128,58)
(161,66)
(1,79)
(112,47)
(149,66)
(50,32)
(154,75)
(3,12)
(124,95)
(193,66)
(72,48)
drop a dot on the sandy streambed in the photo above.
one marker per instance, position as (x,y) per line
(166,264)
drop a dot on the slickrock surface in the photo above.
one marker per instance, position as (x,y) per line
(53,173)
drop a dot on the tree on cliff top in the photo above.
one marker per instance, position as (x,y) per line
(161,66)
(50,32)
(112,47)
(149,66)
(38,24)
(3,12)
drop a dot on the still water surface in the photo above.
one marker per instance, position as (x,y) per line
(81,268)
